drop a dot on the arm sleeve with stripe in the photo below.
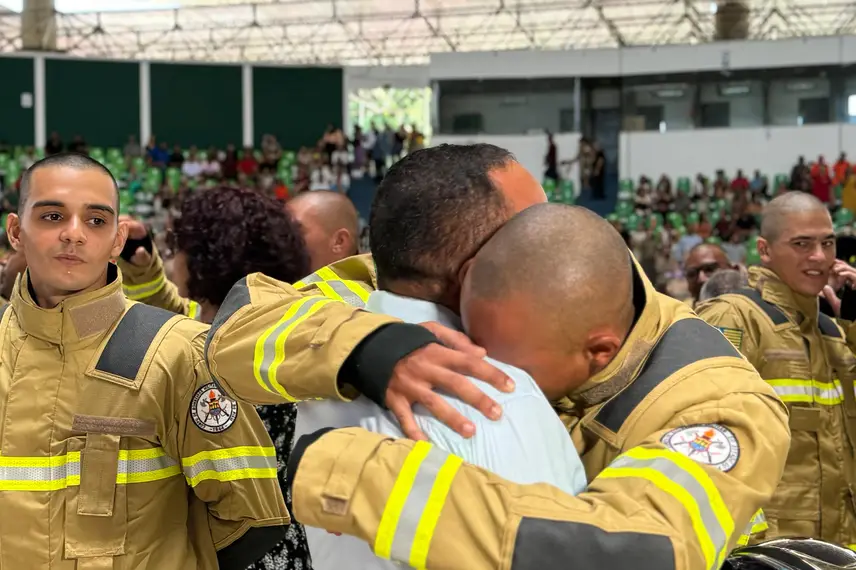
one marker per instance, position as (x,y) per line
(651,508)
(271,343)
(149,285)
(233,471)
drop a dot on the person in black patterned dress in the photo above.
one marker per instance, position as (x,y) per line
(223,235)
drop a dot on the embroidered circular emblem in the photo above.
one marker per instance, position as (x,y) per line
(708,444)
(211,410)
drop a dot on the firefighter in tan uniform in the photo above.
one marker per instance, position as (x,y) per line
(808,361)
(117,451)
(681,440)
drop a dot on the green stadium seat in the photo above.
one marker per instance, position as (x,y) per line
(684,185)
(569,196)
(40,153)
(782,178)
(714,240)
(138,164)
(843,218)
(97,153)
(115,155)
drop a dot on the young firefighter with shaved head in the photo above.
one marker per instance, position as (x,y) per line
(681,440)
(807,359)
(117,451)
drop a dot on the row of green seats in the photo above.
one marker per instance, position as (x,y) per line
(684,184)
(563,192)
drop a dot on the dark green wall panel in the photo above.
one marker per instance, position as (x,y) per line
(99,100)
(197,104)
(296,103)
(16,123)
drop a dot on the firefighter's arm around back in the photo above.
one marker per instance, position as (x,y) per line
(226,456)
(272,343)
(416,504)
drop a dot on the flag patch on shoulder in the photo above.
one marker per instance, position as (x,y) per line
(734,336)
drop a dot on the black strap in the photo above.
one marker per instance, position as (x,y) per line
(776,315)
(125,351)
(828,327)
(685,342)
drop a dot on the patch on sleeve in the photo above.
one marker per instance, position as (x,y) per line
(211,410)
(708,444)
(734,336)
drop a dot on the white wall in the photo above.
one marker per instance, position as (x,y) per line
(529,149)
(645,60)
(773,150)
(504,114)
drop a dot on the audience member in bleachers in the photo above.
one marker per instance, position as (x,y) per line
(702,262)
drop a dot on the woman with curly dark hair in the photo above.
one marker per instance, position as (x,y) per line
(224,234)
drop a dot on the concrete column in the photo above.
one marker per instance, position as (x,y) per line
(145,103)
(38,25)
(39,101)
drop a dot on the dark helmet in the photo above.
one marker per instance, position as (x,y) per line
(791,554)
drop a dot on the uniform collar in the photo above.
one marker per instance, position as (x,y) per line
(78,318)
(798,307)
(642,338)
(412,310)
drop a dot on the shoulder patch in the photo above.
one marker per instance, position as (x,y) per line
(734,336)
(211,410)
(708,444)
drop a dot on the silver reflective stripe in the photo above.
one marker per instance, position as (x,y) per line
(229,464)
(314,278)
(346,294)
(133,466)
(717,534)
(810,391)
(408,522)
(55,473)
(269,350)
(145,290)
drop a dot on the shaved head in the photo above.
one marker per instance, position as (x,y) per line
(551,293)
(568,261)
(775,215)
(330,223)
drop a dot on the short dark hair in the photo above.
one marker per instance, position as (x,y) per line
(434,209)
(228,233)
(73,160)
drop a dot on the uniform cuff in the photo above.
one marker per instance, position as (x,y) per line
(250,548)
(369,366)
(300,446)
(131,246)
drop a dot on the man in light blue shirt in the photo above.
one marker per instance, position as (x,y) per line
(450,198)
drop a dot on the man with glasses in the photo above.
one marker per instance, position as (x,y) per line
(703,261)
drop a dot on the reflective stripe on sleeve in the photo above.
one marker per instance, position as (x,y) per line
(193,310)
(144,290)
(63,471)
(334,287)
(270,346)
(688,483)
(414,506)
(230,464)
(800,390)
(757,525)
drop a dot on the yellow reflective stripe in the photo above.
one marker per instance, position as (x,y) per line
(688,483)
(62,471)
(144,290)
(193,310)
(230,464)
(757,525)
(414,506)
(269,351)
(332,286)
(431,513)
(806,391)
(397,498)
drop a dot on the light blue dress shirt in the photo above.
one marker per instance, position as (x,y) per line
(529,444)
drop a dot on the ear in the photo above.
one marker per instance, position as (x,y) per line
(464,271)
(342,241)
(119,240)
(764,250)
(601,348)
(13,231)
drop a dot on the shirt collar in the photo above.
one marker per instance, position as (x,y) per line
(773,290)
(80,318)
(412,310)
